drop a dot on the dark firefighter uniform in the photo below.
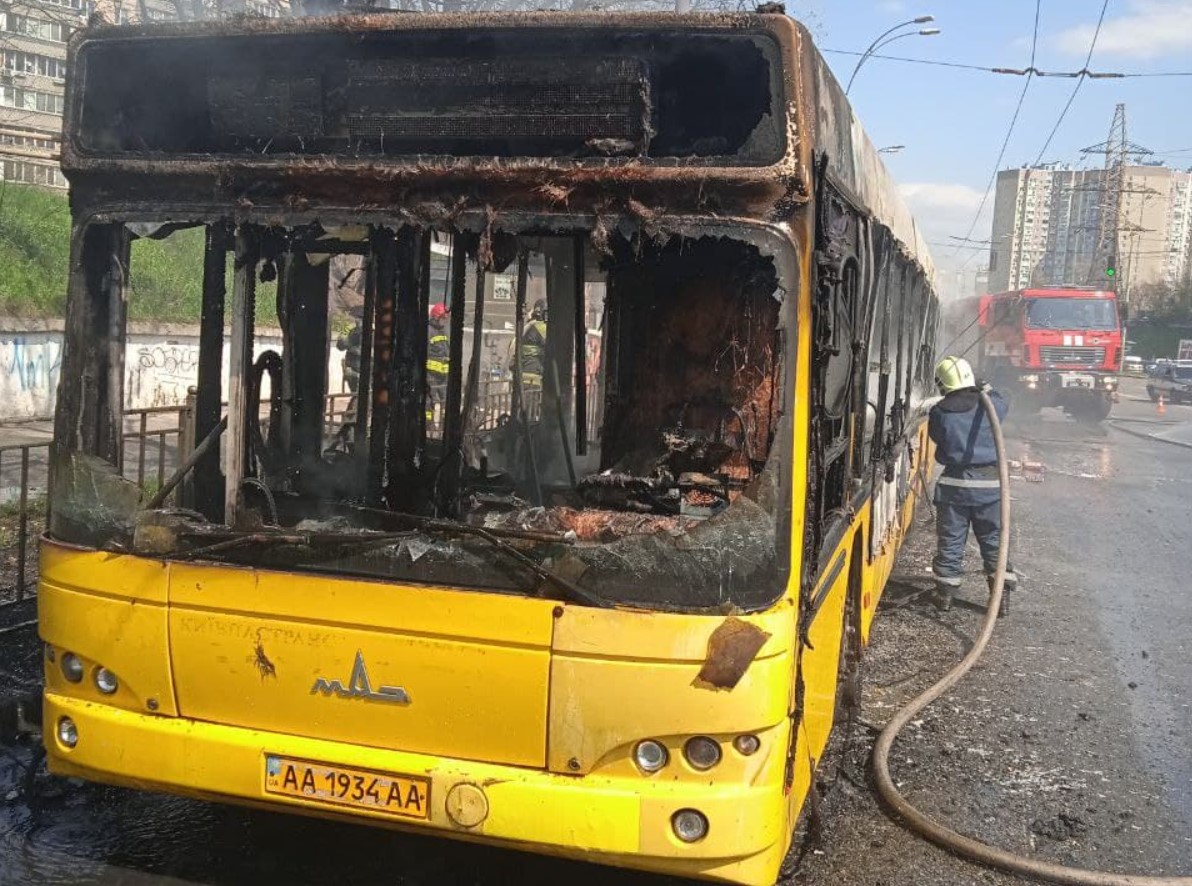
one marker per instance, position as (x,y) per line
(350,344)
(438,358)
(968,492)
(533,346)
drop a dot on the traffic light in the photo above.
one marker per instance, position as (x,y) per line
(1111,266)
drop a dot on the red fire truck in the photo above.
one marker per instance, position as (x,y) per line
(1045,347)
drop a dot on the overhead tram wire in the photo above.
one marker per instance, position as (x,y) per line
(1047,144)
(1016,72)
(1075,89)
(997,165)
(913,61)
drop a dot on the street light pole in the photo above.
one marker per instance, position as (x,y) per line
(878,44)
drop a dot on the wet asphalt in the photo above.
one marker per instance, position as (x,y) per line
(1071,741)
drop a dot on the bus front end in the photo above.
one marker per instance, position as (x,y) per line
(534,580)
(564,729)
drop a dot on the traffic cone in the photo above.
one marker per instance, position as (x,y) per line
(1160,406)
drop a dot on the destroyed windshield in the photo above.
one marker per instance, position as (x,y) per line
(598,415)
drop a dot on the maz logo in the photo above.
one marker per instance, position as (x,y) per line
(360,687)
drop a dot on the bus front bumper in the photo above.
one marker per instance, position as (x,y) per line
(617,821)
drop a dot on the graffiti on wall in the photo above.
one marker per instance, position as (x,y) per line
(159,374)
(32,365)
(29,369)
(157,371)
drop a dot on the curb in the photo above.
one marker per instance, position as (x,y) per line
(1144,436)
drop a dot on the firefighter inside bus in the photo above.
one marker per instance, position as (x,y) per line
(438,361)
(533,347)
(653,476)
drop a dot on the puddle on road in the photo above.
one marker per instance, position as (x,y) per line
(1067,448)
(83,834)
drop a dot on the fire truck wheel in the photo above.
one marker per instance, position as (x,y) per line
(1028,403)
(1093,410)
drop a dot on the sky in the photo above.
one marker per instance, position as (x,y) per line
(953,122)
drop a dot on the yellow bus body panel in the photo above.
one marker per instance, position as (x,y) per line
(283,652)
(107,609)
(562,693)
(619,676)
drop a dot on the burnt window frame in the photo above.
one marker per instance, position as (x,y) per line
(836,458)
(772,242)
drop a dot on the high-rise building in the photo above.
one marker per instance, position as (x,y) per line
(33,35)
(1178,260)
(1046,221)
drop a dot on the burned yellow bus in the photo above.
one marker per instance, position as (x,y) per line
(599,593)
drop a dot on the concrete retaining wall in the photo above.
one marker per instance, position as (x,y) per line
(161,362)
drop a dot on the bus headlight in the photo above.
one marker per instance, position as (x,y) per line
(68,733)
(702,752)
(747,745)
(650,756)
(105,681)
(72,668)
(690,825)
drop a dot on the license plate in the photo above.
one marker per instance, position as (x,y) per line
(403,795)
(1077,381)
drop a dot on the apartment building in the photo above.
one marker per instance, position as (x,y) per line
(33,35)
(1047,220)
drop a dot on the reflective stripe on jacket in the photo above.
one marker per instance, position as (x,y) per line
(438,353)
(533,344)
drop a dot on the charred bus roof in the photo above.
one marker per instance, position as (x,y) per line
(593,113)
(517,101)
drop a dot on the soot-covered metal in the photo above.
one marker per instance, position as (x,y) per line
(498,93)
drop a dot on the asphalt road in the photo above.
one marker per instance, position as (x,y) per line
(1070,741)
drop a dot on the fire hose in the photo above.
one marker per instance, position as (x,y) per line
(940,834)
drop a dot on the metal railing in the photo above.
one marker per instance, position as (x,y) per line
(20,520)
(151,439)
(155,440)
(179,421)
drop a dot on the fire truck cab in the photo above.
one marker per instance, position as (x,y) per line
(1052,347)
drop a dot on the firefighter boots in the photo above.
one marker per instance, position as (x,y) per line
(1007,587)
(943,596)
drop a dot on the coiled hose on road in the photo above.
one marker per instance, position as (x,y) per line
(924,825)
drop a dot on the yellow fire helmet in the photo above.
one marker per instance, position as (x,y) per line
(953,374)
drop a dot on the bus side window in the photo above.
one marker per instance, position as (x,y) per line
(876,392)
(926,350)
(912,335)
(896,307)
(833,433)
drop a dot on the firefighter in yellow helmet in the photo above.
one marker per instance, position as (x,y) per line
(968,492)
